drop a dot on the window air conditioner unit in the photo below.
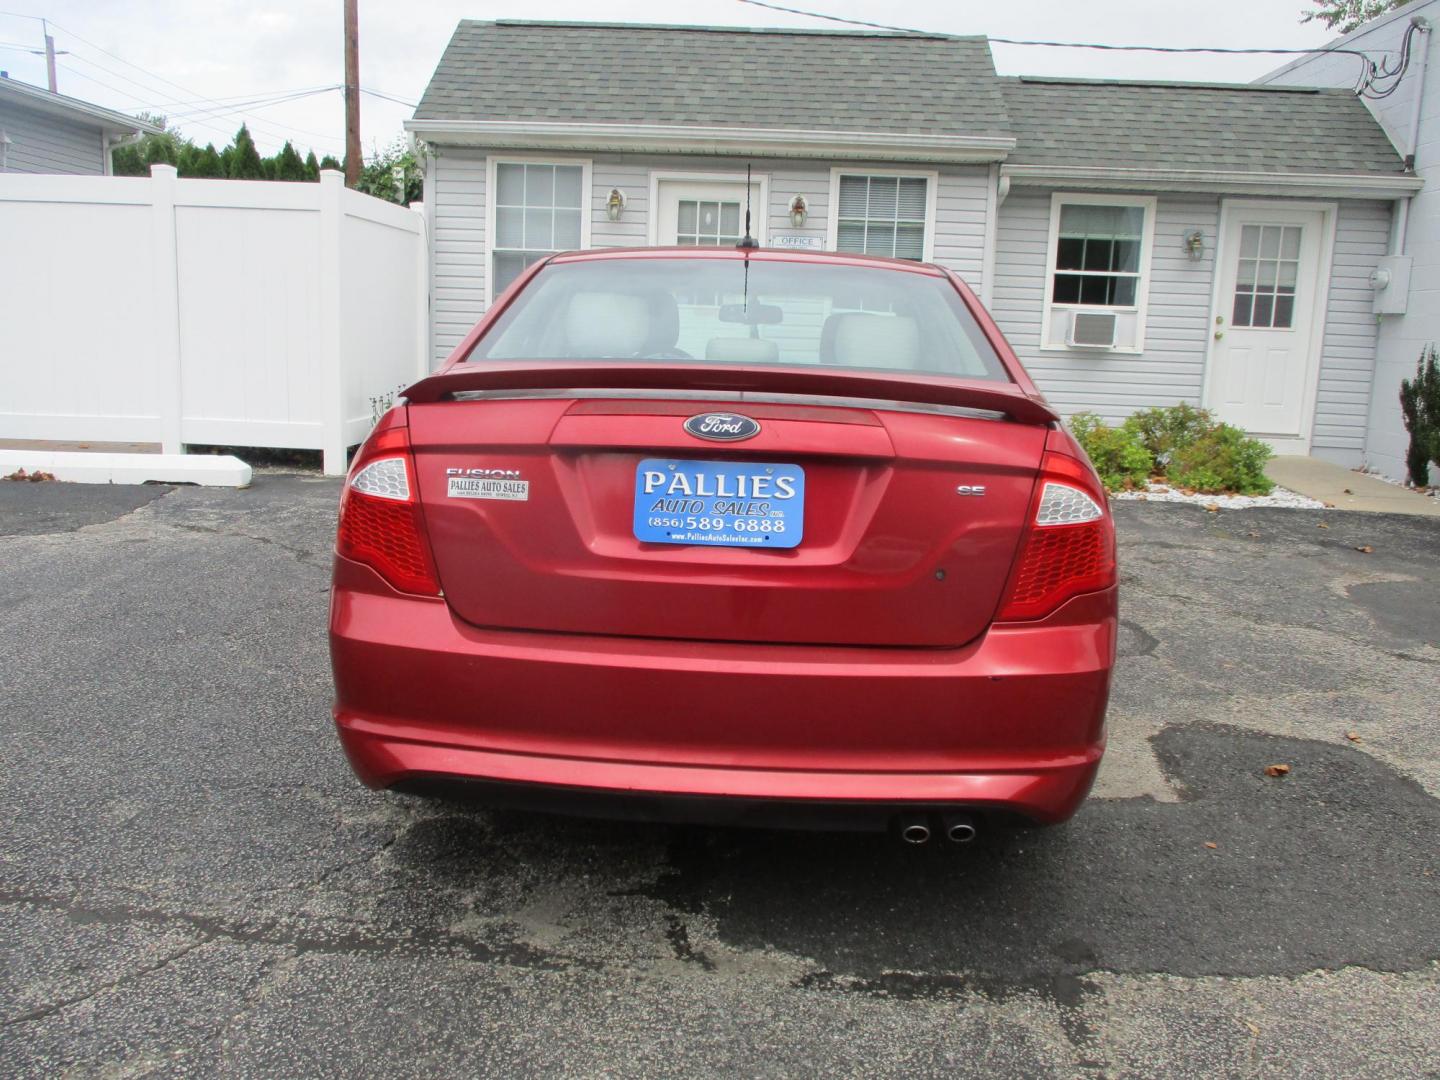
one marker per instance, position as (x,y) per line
(1091,330)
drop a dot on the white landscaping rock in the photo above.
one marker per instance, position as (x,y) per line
(1278,497)
(83,467)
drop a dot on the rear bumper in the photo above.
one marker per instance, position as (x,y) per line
(1013,721)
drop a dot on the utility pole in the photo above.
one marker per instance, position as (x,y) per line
(49,55)
(352,93)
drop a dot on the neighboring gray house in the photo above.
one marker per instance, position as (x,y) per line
(1139,243)
(41,132)
(1408,310)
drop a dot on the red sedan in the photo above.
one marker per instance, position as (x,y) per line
(743,536)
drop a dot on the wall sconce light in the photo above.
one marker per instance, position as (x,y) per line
(1194,244)
(799,210)
(614,204)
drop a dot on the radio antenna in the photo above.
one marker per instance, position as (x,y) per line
(747,241)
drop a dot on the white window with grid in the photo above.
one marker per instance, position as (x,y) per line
(538,210)
(882,214)
(1098,262)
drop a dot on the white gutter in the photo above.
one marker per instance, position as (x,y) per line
(1402,206)
(1351,185)
(667,138)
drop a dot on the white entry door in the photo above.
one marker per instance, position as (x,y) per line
(707,213)
(1264,356)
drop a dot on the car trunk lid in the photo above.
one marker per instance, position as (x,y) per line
(911,519)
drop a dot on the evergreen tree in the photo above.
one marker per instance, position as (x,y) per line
(205,164)
(129,160)
(312,167)
(161,150)
(329,162)
(246,163)
(288,164)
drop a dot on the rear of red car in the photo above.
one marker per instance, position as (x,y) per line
(734,536)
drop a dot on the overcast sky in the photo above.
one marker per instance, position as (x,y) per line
(205,62)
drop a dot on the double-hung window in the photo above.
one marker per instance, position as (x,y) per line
(539,209)
(882,214)
(1099,261)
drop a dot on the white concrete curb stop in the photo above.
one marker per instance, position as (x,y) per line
(81,467)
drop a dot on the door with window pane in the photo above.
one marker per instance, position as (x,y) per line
(706,213)
(538,210)
(1263,360)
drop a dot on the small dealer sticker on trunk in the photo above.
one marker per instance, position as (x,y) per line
(468,487)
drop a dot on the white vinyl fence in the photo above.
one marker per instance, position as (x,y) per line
(154,309)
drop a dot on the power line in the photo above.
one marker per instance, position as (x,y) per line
(388,97)
(266,129)
(127,94)
(1369,72)
(254,104)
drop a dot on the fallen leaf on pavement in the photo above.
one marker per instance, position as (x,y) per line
(1365,549)
(1349,492)
(1322,525)
(1254,1028)
(1276,770)
(1353,736)
(1212,507)
(1211,844)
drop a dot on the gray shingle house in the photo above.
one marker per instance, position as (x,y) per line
(41,132)
(1139,243)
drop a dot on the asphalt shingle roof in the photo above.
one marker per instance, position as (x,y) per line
(717,77)
(871,81)
(1137,125)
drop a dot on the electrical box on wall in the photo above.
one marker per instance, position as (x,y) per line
(1391,281)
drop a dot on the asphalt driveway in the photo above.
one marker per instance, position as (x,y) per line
(192,883)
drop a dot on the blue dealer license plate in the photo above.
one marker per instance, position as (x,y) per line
(722,503)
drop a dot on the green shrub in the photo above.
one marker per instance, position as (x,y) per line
(1223,459)
(1116,453)
(1420,405)
(1163,431)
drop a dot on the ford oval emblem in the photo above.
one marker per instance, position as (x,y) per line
(722,426)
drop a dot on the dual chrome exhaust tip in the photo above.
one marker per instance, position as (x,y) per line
(917,828)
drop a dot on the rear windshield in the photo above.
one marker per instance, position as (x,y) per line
(743,312)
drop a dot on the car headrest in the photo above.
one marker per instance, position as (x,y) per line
(863,339)
(742,350)
(607,324)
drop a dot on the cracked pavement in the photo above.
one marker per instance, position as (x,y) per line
(192,883)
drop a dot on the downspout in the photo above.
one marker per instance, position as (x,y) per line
(1412,143)
(113,143)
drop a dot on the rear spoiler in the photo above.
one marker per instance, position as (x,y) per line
(1006,398)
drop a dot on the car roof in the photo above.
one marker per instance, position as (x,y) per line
(763,254)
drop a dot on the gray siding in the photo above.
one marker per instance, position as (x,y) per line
(457,296)
(1171,367)
(1347,362)
(41,143)
(458,177)
(1399,338)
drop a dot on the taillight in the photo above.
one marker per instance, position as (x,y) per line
(1069,546)
(380,520)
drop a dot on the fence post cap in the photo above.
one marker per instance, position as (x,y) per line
(164,172)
